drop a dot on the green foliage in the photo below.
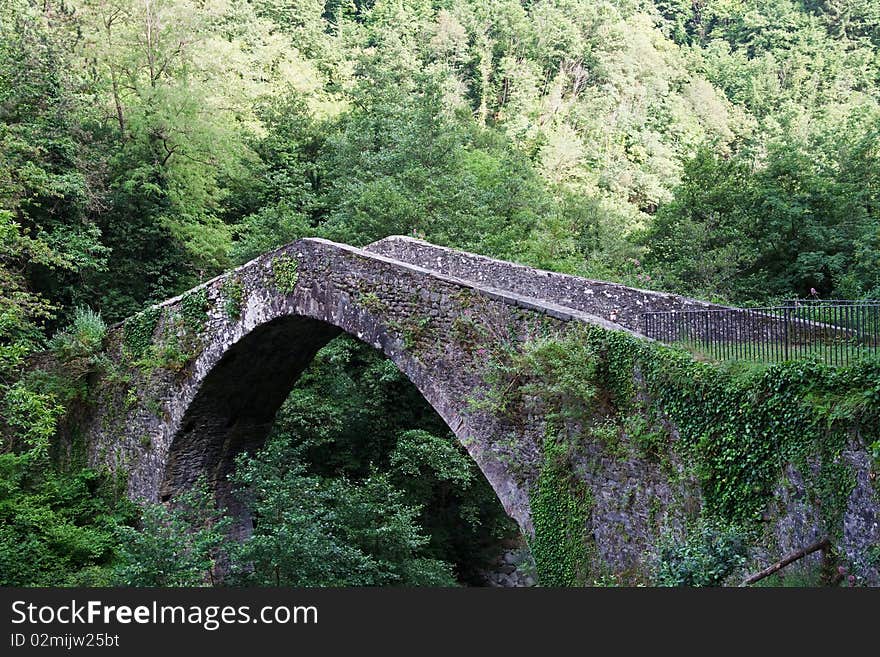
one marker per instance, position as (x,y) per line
(352,408)
(708,554)
(414,331)
(736,429)
(649,441)
(58,528)
(176,545)
(178,340)
(498,129)
(313,531)
(739,428)
(553,376)
(33,416)
(233,296)
(84,338)
(832,486)
(138,331)
(353,418)
(431,173)
(556,378)
(720,149)
(194,311)
(875,451)
(79,347)
(48,168)
(420,452)
(285,272)
(172,353)
(743,431)
(561,508)
(20,309)
(372,302)
(748,232)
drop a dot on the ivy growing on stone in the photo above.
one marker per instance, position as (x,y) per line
(194,310)
(138,331)
(561,507)
(233,295)
(735,426)
(285,271)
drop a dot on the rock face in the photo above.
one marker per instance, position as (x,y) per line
(199,378)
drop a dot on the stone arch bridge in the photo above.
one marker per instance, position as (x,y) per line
(199,378)
(227,353)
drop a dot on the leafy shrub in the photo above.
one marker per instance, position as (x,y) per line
(318,531)
(31,416)
(57,528)
(553,376)
(709,554)
(83,339)
(174,546)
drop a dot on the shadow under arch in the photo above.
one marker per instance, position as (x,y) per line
(236,404)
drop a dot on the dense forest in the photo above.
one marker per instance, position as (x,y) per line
(726,149)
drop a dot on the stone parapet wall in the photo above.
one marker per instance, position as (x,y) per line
(611,301)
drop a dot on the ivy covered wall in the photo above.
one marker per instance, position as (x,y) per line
(658,466)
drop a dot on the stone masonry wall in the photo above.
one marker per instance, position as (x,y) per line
(168,427)
(611,301)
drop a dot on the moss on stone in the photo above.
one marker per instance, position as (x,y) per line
(370,301)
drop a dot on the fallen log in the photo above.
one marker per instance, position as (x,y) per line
(824,544)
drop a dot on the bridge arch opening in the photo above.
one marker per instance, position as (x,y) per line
(237,402)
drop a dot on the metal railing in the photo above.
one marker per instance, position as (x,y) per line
(836,332)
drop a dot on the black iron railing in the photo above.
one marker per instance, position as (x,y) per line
(836,332)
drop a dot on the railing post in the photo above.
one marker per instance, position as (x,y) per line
(706,341)
(787,318)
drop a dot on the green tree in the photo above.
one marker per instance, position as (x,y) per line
(176,545)
(57,528)
(313,531)
(49,180)
(750,232)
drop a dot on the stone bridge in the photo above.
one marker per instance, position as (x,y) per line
(199,378)
(217,362)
